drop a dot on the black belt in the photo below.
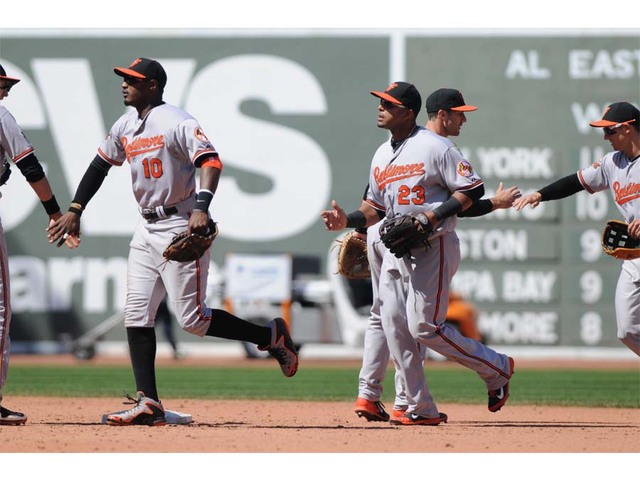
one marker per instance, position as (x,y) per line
(151,214)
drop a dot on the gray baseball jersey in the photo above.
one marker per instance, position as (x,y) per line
(417,176)
(15,145)
(622,176)
(162,150)
(13,142)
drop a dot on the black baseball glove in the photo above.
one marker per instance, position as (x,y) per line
(402,233)
(187,248)
(617,242)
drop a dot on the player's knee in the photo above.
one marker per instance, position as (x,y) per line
(195,325)
(194,329)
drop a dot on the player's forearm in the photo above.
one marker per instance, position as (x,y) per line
(43,190)
(89,185)
(209,178)
(564,187)
(454,205)
(479,208)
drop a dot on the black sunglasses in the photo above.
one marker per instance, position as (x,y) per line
(6,87)
(611,130)
(387,105)
(134,80)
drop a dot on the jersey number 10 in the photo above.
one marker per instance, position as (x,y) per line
(152,167)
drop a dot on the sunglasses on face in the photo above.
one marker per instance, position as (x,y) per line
(6,87)
(387,105)
(611,130)
(133,80)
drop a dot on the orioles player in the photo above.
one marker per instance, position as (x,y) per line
(14,144)
(375,357)
(620,172)
(420,171)
(164,146)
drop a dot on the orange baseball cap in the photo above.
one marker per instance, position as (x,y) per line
(144,68)
(3,76)
(618,113)
(401,93)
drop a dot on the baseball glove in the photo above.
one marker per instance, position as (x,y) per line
(352,258)
(617,243)
(5,172)
(187,248)
(402,233)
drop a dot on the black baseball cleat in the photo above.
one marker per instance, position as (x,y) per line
(282,347)
(497,398)
(7,417)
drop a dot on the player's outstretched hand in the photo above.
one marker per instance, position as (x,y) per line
(505,198)
(532,199)
(334,219)
(64,229)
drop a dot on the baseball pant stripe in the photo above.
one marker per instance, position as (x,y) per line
(199,299)
(466,354)
(434,320)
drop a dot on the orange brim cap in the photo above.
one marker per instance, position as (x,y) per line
(386,96)
(603,123)
(618,113)
(126,72)
(464,108)
(10,79)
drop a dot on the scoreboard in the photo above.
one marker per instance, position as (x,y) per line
(538,276)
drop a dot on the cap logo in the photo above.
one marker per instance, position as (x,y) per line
(135,62)
(391,87)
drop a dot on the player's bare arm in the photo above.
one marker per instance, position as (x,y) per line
(43,190)
(69,223)
(209,179)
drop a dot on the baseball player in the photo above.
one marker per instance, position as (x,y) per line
(619,171)
(164,146)
(14,144)
(420,171)
(375,357)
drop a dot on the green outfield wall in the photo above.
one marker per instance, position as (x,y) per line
(295,125)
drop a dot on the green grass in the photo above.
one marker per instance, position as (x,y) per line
(588,388)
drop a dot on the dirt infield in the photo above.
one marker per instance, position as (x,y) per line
(60,425)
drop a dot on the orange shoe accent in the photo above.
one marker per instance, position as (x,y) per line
(413,419)
(373,411)
(397,412)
